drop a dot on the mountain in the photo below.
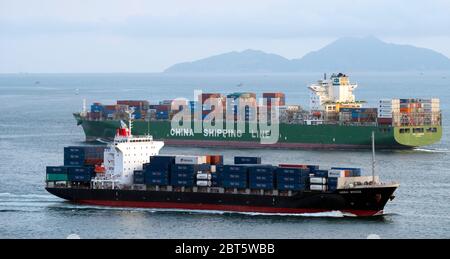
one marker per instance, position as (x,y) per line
(371,54)
(345,54)
(232,62)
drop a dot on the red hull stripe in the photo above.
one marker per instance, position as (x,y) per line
(225,208)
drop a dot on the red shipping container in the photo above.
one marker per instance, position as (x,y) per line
(273,95)
(385,121)
(293,166)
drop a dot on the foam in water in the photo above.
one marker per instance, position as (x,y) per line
(432,150)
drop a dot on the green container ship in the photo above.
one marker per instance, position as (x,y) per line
(335,121)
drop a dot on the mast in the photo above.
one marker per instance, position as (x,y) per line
(130,119)
(84,106)
(373,157)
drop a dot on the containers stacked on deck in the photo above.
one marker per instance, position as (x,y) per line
(183,175)
(69,173)
(247,173)
(157,172)
(318,180)
(209,101)
(110,110)
(337,172)
(292,177)
(162,110)
(234,176)
(83,155)
(416,112)
(181,171)
(269,96)
(140,107)
(262,177)
(96,111)
(358,115)
(386,109)
(57,173)
(241,102)
(79,164)
(118,111)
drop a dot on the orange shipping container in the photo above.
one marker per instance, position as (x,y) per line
(405,110)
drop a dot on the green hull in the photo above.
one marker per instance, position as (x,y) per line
(291,135)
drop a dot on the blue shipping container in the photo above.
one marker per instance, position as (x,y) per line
(80,173)
(332,184)
(182,175)
(182,182)
(235,176)
(56,170)
(157,181)
(162,160)
(234,184)
(312,167)
(292,179)
(290,187)
(185,167)
(293,171)
(96,108)
(238,160)
(139,177)
(320,173)
(73,162)
(156,174)
(261,185)
(235,168)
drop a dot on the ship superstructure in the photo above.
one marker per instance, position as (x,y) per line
(335,90)
(124,155)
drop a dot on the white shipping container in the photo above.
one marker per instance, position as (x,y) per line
(196,160)
(336,173)
(384,111)
(203,183)
(204,176)
(318,180)
(318,187)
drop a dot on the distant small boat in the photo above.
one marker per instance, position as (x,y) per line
(77,91)
(37,82)
(240,85)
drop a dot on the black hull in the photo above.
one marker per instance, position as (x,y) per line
(359,202)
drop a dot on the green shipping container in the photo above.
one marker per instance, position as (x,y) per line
(57,177)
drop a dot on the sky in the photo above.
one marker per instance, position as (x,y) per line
(108,36)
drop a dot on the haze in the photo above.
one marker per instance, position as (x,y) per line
(50,36)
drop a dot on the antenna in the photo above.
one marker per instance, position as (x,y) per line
(84,105)
(373,157)
(324,76)
(130,118)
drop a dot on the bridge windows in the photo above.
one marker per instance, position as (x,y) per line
(418,130)
(405,130)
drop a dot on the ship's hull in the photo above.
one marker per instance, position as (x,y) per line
(356,202)
(290,135)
